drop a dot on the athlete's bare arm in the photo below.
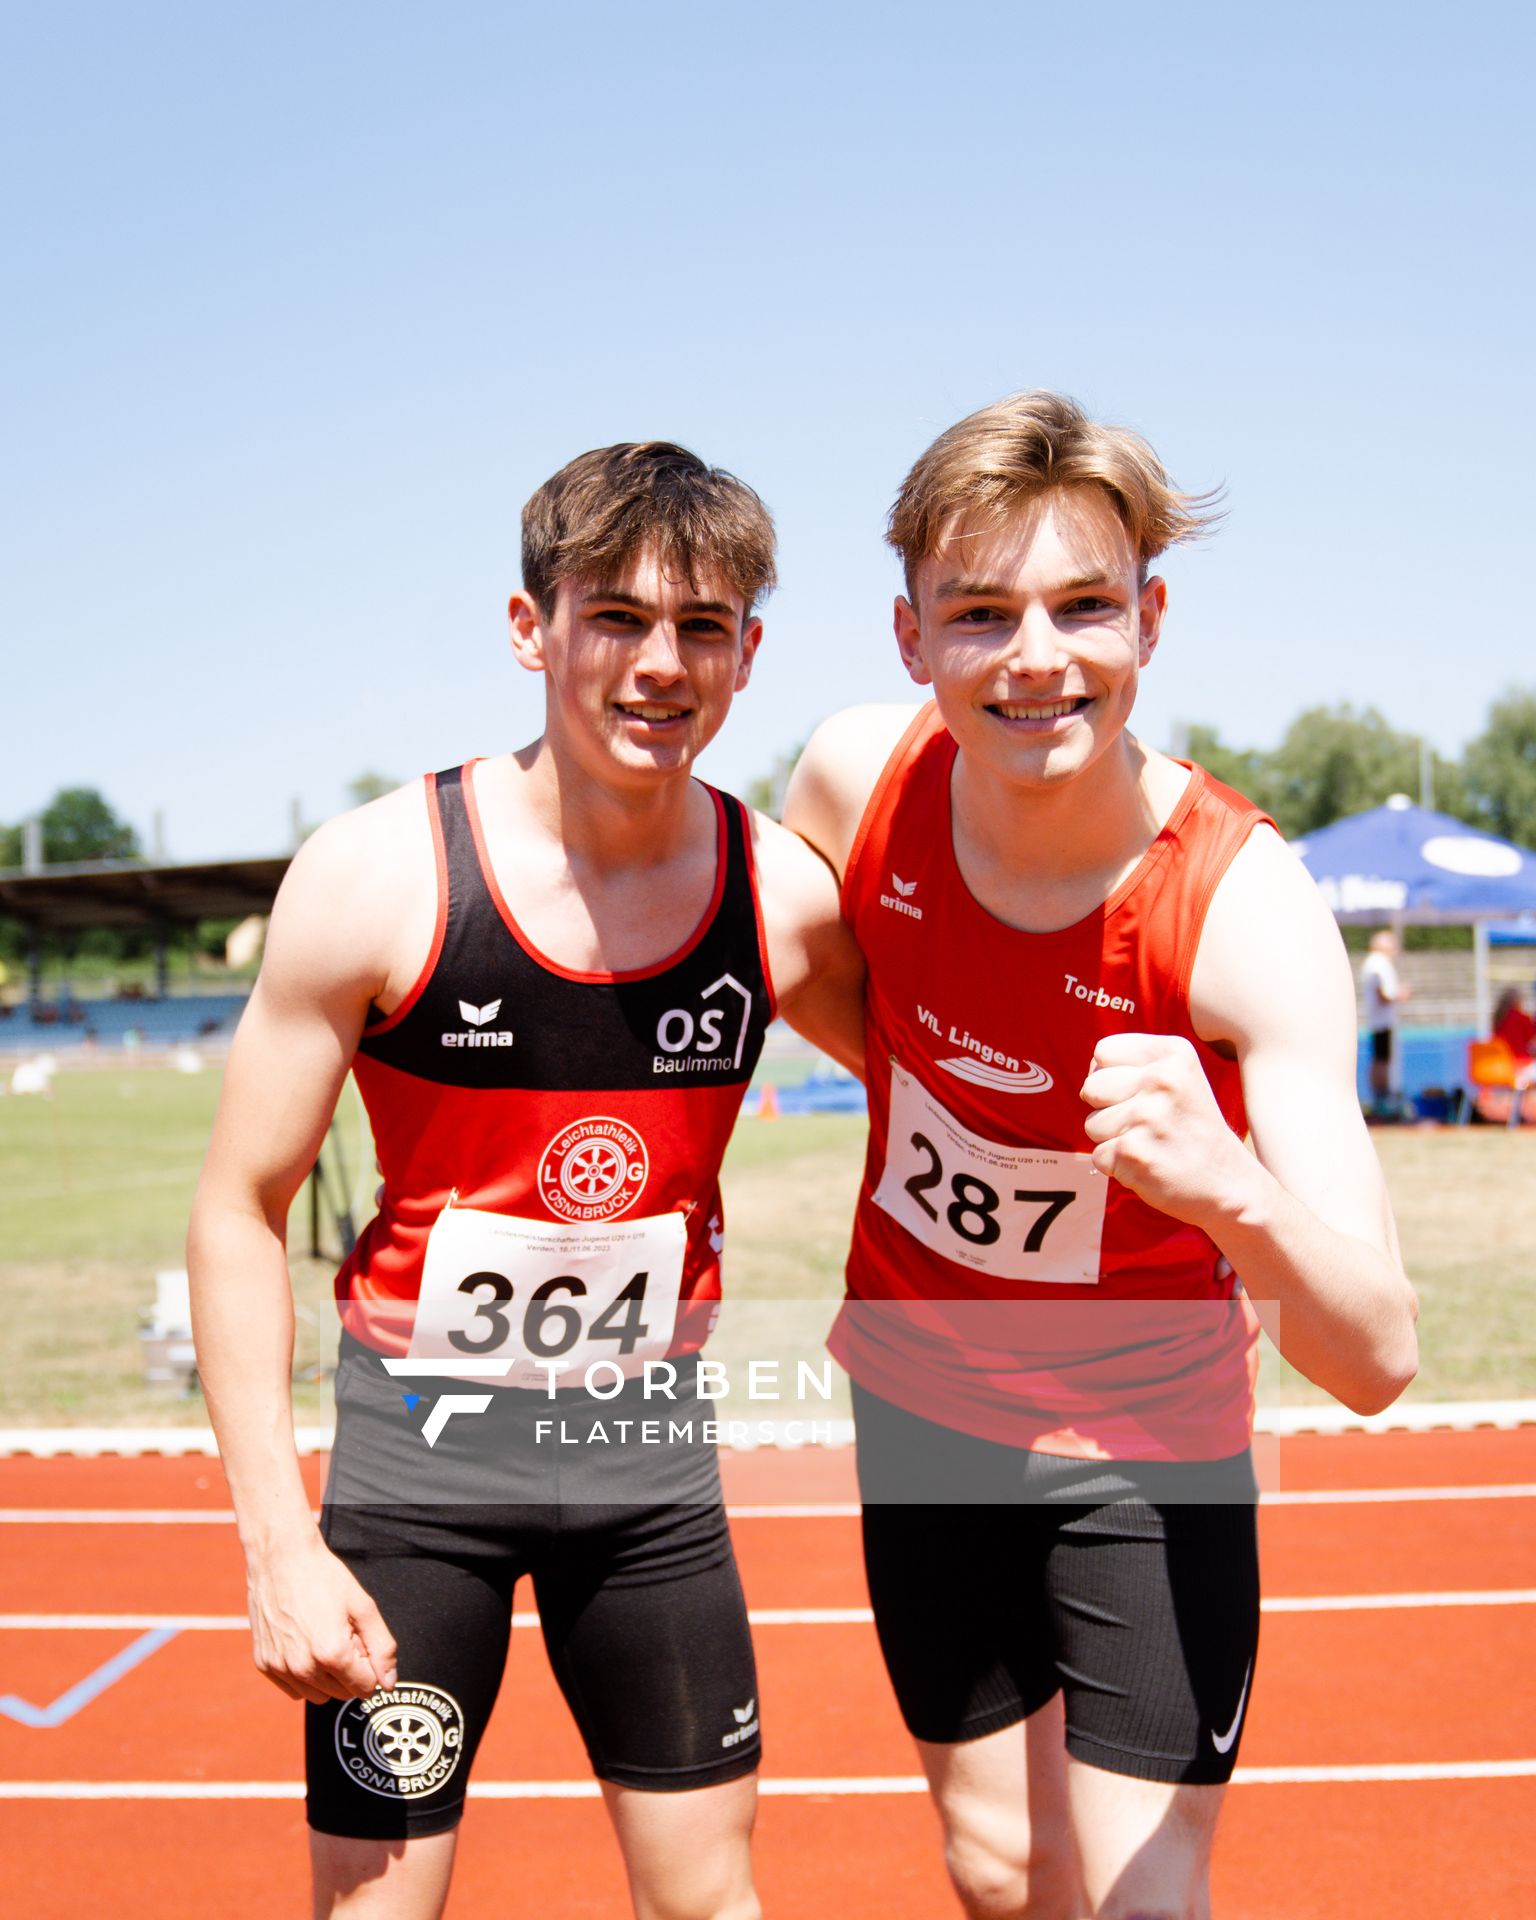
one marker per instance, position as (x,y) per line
(349,910)
(1304,1218)
(837,773)
(818,971)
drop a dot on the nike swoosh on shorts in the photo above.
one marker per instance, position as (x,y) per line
(1222,1742)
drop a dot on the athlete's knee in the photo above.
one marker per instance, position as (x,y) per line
(739,1903)
(1037,1881)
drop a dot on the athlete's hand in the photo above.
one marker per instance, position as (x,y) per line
(1157,1128)
(315,1632)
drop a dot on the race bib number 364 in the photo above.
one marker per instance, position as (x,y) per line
(538,1293)
(1013,1213)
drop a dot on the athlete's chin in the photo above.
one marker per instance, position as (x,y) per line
(1035,758)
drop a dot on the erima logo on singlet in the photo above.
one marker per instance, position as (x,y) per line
(479,1019)
(901,900)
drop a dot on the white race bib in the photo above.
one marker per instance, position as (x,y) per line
(538,1293)
(1012,1213)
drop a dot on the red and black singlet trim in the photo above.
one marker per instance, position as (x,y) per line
(701,1013)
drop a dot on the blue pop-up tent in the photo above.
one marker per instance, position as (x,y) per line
(1407,865)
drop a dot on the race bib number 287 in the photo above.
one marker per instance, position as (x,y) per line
(1012,1213)
(542,1295)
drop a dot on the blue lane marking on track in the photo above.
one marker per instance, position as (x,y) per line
(83,1692)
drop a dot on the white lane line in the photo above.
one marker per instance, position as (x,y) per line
(1390,1496)
(784,1789)
(1378,1602)
(777,1616)
(1403,1770)
(116,1517)
(224,1516)
(847,1510)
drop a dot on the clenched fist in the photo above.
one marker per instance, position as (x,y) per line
(1158,1130)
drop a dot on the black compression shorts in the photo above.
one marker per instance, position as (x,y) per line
(1144,1611)
(639,1602)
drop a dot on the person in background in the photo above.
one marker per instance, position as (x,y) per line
(1512,1023)
(1385,992)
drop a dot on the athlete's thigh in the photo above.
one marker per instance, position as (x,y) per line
(1002,1800)
(957,1588)
(1144,1846)
(958,1595)
(687,1853)
(396,1765)
(1156,1612)
(646,1626)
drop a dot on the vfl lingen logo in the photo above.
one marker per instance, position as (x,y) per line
(982,1064)
(401,1744)
(593,1169)
(1024,1078)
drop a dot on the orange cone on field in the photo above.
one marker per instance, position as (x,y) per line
(768,1103)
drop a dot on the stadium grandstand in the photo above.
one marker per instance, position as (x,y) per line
(60,903)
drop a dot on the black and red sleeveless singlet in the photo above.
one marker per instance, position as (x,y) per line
(507,1083)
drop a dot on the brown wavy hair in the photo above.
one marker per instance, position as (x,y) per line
(603,509)
(1007,455)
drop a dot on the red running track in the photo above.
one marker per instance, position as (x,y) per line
(1426,1685)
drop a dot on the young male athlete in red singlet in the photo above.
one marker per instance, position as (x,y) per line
(1092,969)
(551,973)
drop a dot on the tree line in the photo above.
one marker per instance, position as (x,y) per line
(1334,761)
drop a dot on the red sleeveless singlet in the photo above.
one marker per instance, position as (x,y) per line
(997,1284)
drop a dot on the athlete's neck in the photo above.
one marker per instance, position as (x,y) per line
(611,823)
(1041,856)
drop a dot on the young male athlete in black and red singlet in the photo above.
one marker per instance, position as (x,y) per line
(551,972)
(1092,970)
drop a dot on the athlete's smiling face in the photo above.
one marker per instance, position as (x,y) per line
(640,669)
(1032,635)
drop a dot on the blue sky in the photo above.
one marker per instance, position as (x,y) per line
(306,300)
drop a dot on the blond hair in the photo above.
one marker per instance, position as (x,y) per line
(603,509)
(1009,454)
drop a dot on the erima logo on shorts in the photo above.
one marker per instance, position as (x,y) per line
(746,1724)
(401,1744)
(1095,995)
(479,1019)
(901,900)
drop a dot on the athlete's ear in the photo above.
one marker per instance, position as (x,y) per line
(751,639)
(1152,606)
(527,624)
(909,638)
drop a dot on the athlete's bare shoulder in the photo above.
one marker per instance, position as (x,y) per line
(1270,963)
(795,884)
(837,773)
(358,905)
(818,971)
